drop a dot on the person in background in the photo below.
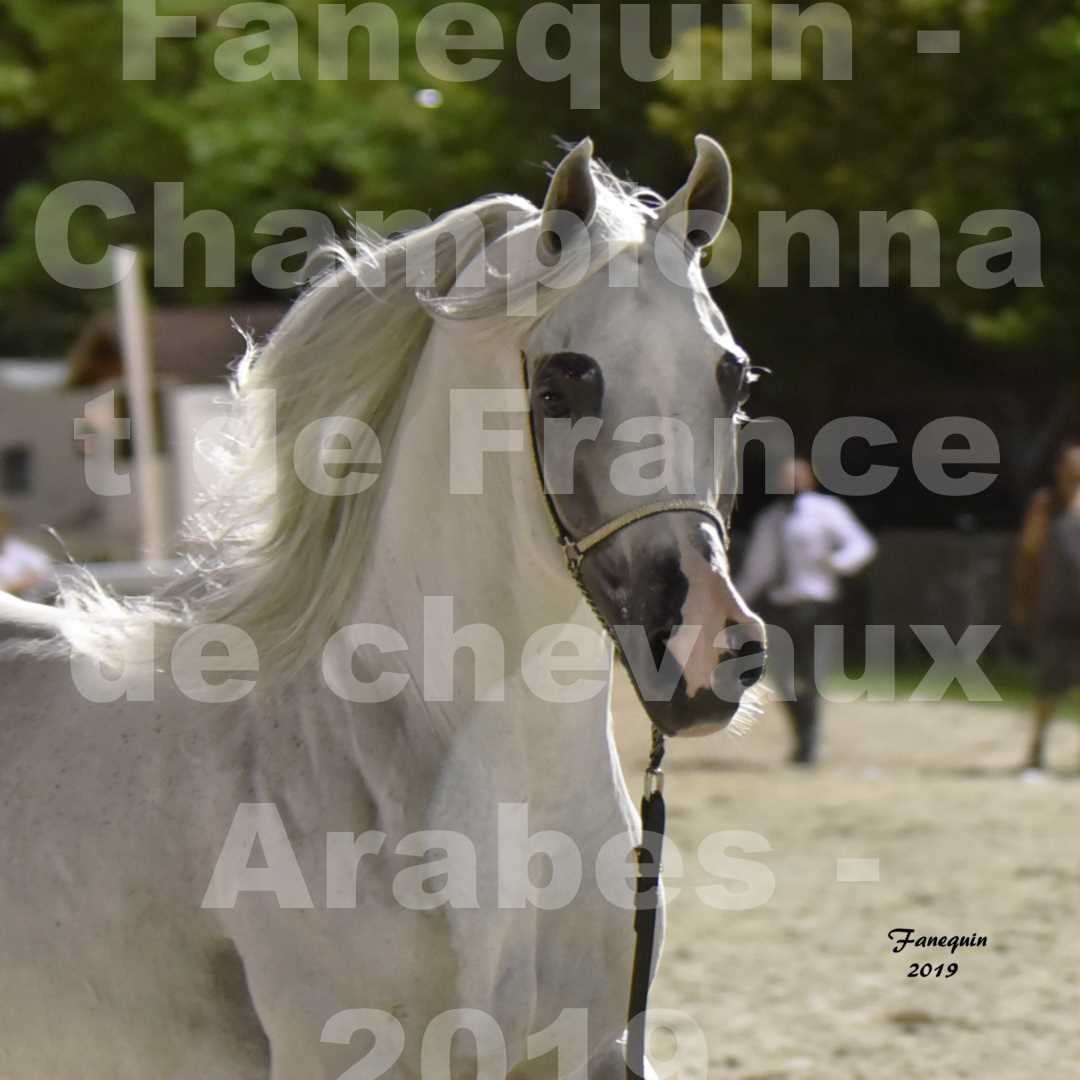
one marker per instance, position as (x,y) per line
(23,567)
(801,547)
(1046,598)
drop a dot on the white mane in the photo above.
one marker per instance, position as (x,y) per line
(282,564)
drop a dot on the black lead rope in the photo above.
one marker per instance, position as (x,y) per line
(646,905)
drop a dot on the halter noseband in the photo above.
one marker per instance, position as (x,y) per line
(576,550)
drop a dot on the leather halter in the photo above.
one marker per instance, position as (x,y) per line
(575,549)
(653,810)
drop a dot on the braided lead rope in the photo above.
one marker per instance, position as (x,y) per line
(656,755)
(646,904)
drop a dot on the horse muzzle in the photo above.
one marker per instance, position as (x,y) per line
(673,698)
(691,645)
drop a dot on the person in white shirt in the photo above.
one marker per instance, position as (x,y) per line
(23,567)
(801,547)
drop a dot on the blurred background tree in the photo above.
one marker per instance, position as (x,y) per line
(993,127)
(249,148)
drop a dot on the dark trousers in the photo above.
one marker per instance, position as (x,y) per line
(794,671)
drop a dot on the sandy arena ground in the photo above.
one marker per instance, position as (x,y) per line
(805,985)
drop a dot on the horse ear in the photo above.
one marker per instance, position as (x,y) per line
(705,199)
(572,190)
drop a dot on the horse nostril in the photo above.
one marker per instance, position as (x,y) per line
(658,639)
(750,675)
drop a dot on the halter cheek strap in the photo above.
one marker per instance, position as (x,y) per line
(575,549)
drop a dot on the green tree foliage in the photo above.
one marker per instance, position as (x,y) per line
(248,148)
(992,127)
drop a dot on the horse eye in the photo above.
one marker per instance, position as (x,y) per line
(732,364)
(554,404)
(751,376)
(731,374)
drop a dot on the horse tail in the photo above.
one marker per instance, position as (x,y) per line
(90,621)
(26,613)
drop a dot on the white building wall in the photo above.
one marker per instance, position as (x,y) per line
(41,424)
(40,421)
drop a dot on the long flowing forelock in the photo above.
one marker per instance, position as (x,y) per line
(265,552)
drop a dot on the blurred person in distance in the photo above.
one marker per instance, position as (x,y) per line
(23,567)
(801,547)
(1046,596)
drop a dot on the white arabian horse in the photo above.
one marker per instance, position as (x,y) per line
(257,873)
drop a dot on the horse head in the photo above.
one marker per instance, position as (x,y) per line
(640,356)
